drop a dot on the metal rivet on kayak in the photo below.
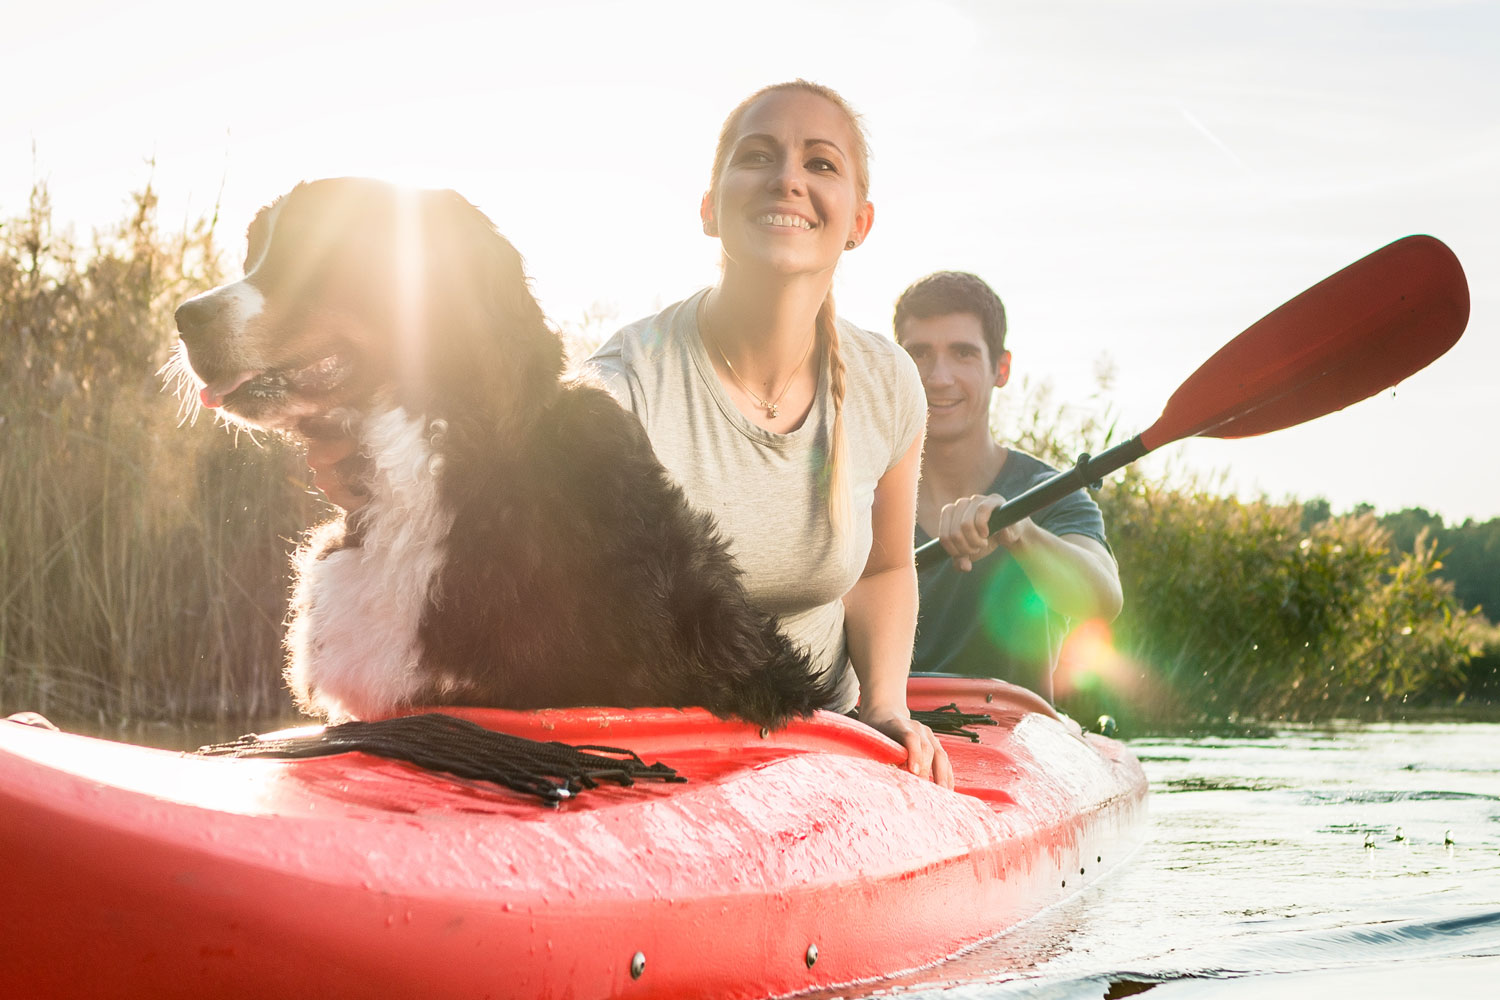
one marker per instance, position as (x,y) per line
(764,732)
(1065,883)
(637,964)
(1100,859)
(990,696)
(1080,871)
(812,955)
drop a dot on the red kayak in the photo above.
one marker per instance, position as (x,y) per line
(802,859)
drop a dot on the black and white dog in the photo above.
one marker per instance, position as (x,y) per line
(521,546)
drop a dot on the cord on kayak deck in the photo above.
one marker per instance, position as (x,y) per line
(949,721)
(550,771)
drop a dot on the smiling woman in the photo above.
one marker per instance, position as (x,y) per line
(801,433)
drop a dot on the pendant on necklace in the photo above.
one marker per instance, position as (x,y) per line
(771,409)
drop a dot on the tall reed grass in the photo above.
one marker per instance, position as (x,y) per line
(143,564)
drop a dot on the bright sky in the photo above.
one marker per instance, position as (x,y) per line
(1139,179)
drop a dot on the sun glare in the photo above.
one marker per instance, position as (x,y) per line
(1090,663)
(410,251)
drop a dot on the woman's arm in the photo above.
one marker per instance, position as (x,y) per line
(880,621)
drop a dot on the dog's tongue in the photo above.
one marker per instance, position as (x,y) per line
(212,395)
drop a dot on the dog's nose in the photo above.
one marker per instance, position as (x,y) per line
(197,313)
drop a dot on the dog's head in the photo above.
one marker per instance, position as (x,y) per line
(357,293)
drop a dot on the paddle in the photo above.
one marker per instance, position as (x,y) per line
(1359,331)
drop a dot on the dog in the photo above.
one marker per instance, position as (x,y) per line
(521,546)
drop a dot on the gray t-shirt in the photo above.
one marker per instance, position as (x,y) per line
(768,491)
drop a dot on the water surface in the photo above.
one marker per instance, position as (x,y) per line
(1255,879)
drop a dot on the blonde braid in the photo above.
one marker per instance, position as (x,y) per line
(836,465)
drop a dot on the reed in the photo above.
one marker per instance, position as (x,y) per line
(143,564)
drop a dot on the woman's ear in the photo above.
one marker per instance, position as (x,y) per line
(706,213)
(864,218)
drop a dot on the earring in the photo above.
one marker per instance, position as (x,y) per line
(850,245)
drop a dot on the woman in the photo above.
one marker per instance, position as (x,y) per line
(801,434)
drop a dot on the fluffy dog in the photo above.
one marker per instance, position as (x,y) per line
(521,546)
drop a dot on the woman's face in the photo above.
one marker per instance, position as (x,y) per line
(787,198)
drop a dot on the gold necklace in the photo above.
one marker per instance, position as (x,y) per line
(771,406)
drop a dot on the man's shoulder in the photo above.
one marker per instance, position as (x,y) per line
(1021,469)
(1077,513)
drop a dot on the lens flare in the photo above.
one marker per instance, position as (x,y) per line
(1089,662)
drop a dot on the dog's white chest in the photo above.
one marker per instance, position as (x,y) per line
(353,642)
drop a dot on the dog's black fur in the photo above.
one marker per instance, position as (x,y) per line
(574,572)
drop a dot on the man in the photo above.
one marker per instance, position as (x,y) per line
(1001,605)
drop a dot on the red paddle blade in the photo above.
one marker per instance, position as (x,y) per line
(1346,338)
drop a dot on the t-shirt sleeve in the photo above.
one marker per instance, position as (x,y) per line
(1074,514)
(910,416)
(608,368)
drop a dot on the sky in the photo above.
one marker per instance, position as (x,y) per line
(1138,179)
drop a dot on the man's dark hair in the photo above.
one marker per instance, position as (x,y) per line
(946,292)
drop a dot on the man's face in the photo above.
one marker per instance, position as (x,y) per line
(957,373)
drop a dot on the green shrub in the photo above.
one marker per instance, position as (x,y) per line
(1248,609)
(1233,609)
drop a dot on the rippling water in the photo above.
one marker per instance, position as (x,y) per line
(1256,881)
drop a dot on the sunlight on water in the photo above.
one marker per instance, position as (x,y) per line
(1255,880)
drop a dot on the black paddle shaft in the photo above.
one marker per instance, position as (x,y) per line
(1089,471)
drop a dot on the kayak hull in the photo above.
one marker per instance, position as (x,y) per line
(796,860)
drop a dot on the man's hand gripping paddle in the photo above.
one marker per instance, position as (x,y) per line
(1359,331)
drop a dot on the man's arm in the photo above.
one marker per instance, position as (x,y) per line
(1074,574)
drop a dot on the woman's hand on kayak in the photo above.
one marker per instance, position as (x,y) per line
(338,468)
(964,529)
(925,756)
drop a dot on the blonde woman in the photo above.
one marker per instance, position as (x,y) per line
(799,432)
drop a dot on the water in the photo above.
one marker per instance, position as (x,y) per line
(1255,880)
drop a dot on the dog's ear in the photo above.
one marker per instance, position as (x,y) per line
(487,341)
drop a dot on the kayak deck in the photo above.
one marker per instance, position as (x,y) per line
(800,859)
